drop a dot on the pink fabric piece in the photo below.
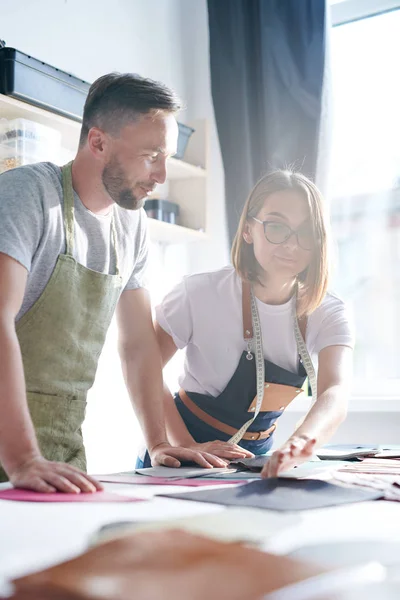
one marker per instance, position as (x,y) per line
(30,496)
(145,480)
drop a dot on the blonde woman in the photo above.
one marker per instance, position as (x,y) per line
(254,331)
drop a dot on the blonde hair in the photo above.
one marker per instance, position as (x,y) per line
(313,281)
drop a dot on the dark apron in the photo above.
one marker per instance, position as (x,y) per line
(231,406)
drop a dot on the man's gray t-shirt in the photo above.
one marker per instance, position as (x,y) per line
(32,231)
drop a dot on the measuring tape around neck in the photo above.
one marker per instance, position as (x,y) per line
(253,337)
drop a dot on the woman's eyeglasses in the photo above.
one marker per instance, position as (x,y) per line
(278,233)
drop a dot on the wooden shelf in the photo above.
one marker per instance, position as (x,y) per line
(179,169)
(167,233)
(186,181)
(10,108)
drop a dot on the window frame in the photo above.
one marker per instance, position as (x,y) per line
(385,395)
(347,11)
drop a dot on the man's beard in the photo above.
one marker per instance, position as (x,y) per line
(114,182)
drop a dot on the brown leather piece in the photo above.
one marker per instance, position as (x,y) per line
(219,425)
(276,397)
(166,565)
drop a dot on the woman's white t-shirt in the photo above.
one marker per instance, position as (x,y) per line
(203,314)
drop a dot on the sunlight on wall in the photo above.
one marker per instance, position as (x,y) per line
(111,431)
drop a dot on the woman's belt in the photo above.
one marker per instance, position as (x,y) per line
(219,425)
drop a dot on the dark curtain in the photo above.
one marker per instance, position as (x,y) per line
(267,63)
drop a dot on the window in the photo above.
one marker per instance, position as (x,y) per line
(365,193)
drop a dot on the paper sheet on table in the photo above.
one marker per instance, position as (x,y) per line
(345,454)
(238,475)
(145,480)
(230,525)
(313,469)
(181,472)
(252,464)
(388,484)
(308,469)
(30,496)
(374,466)
(394,454)
(282,494)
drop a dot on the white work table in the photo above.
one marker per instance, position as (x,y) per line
(36,535)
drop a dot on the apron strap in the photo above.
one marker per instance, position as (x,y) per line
(114,243)
(68,194)
(250,311)
(246,311)
(69,216)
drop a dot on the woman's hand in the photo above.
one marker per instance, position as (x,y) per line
(296,450)
(171,456)
(223,450)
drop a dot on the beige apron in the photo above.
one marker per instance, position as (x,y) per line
(61,338)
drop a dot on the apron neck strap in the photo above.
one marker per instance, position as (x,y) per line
(68,194)
(246,311)
(114,243)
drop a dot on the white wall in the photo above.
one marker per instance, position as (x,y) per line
(91,37)
(196,73)
(165,40)
(360,427)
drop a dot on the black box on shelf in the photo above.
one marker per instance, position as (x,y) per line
(40,84)
(162,210)
(184,134)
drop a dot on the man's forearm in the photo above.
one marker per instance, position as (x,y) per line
(17,435)
(143,378)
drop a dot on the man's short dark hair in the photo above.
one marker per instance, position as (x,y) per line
(117,98)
